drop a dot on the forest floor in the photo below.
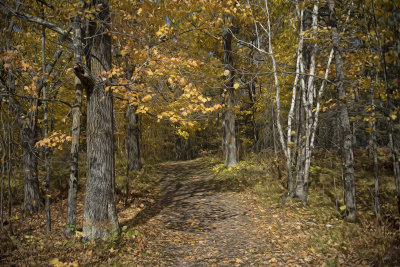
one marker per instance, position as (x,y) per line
(195,216)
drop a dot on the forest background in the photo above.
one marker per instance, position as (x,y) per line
(97,93)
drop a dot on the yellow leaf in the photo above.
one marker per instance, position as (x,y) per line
(236,86)
(54,262)
(146,98)
(238,260)
(226,72)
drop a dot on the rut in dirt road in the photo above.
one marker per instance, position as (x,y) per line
(200,222)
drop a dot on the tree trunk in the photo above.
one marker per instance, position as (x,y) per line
(229,116)
(32,201)
(3,169)
(27,124)
(100,217)
(308,103)
(46,133)
(375,155)
(396,17)
(391,105)
(393,146)
(132,142)
(133,134)
(349,187)
(75,131)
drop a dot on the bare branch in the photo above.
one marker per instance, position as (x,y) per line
(37,20)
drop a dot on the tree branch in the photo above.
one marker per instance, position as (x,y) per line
(84,74)
(37,20)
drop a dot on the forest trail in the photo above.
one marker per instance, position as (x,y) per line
(192,215)
(196,222)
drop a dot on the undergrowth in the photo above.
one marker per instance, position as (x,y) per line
(337,241)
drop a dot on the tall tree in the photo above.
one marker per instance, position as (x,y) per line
(46,131)
(76,126)
(347,136)
(133,135)
(100,216)
(229,135)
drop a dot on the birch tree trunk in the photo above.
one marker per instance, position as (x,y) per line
(349,194)
(308,104)
(100,217)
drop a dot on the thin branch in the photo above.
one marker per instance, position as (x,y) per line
(37,20)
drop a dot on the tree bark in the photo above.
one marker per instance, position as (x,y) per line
(100,216)
(132,142)
(32,200)
(46,133)
(307,98)
(229,115)
(395,157)
(347,148)
(375,155)
(75,130)
(27,124)
(3,169)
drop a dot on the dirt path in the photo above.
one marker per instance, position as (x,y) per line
(200,224)
(187,215)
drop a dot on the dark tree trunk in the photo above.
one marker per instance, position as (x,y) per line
(100,215)
(32,200)
(27,124)
(393,145)
(375,156)
(132,143)
(229,115)
(75,131)
(133,135)
(3,169)
(390,92)
(347,148)
(46,180)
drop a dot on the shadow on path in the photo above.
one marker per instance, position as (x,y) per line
(200,219)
